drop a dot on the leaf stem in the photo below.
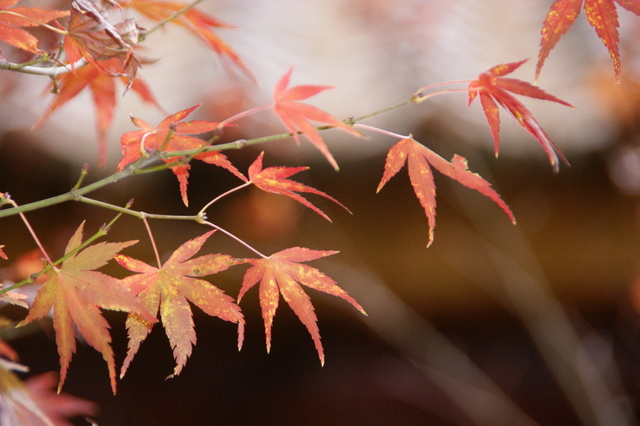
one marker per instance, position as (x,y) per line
(7,197)
(243,114)
(237,239)
(378,130)
(153,241)
(245,184)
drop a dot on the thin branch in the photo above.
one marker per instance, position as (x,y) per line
(48,71)
(169,19)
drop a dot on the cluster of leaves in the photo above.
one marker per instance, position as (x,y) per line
(94,53)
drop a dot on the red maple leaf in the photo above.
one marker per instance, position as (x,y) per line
(274,179)
(282,273)
(103,91)
(602,16)
(11,19)
(420,159)
(194,20)
(169,289)
(297,116)
(494,89)
(171,135)
(76,292)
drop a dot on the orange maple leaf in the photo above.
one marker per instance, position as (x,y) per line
(103,91)
(282,273)
(296,116)
(171,135)
(194,20)
(11,19)
(76,292)
(274,179)
(92,37)
(169,289)
(494,89)
(602,16)
(420,159)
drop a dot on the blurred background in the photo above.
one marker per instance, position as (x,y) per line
(493,324)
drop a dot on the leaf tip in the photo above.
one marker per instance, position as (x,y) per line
(240,334)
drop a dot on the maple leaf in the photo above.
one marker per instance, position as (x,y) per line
(296,116)
(2,253)
(14,298)
(92,37)
(194,20)
(494,89)
(169,288)
(57,406)
(602,16)
(282,273)
(171,135)
(76,292)
(274,179)
(12,18)
(420,159)
(103,91)
(33,403)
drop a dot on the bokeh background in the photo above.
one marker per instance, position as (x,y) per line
(494,324)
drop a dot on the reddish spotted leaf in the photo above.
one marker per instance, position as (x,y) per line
(171,135)
(297,116)
(13,18)
(630,5)
(274,179)
(76,292)
(169,289)
(103,91)
(420,159)
(560,18)
(493,89)
(194,20)
(602,16)
(283,273)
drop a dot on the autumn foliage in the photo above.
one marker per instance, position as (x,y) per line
(98,50)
